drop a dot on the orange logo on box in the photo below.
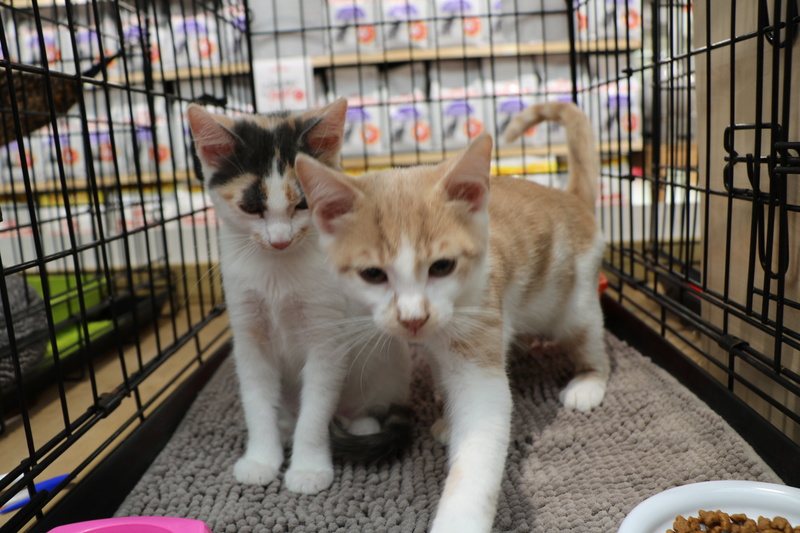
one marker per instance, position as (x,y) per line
(418,31)
(160,154)
(69,156)
(632,20)
(205,47)
(472,26)
(106,153)
(28,160)
(630,122)
(370,134)
(366,34)
(473,127)
(422,132)
(583,22)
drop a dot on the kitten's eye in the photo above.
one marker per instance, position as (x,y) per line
(373,275)
(302,204)
(249,208)
(442,268)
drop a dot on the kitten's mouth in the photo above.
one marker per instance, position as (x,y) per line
(273,246)
(280,245)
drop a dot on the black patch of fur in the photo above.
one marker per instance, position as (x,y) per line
(392,440)
(257,148)
(254,153)
(253,199)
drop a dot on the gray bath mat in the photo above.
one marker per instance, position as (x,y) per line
(566,471)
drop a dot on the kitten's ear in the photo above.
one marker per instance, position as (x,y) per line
(213,143)
(324,139)
(328,193)
(467,177)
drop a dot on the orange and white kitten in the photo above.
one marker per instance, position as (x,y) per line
(459,273)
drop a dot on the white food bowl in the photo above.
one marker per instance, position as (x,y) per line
(657,513)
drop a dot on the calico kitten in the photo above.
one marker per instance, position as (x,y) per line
(302,355)
(459,274)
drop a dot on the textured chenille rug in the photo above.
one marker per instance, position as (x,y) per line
(566,471)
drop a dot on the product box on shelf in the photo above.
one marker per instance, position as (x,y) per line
(62,148)
(100,143)
(542,21)
(14,164)
(459,102)
(149,141)
(615,20)
(195,42)
(130,212)
(365,129)
(280,29)
(233,32)
(30,50)
(405,23)
(513,84)
(557,87)
(353,26)
(620,111)
(285,83)
(409,111)
(461,22)
(142,46)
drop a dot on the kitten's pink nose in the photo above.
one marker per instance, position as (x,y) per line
(414,324)
(280,245)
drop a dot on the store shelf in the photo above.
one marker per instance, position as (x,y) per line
(407,159)
(185,74)
(103,182)
(397,56)
(460,52)
(348,163)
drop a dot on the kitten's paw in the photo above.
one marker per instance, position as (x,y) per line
(364,426)
(441,431)
(252,472)
(583,393)
(308,480)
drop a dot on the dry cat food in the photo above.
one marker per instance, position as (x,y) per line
(719,522)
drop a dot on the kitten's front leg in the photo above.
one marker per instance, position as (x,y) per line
(311,468)
(259,383)
(479,412)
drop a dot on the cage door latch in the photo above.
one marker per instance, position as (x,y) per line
(788,158)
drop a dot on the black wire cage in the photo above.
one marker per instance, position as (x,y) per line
(113,315)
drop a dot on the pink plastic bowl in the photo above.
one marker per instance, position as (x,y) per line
(136,524)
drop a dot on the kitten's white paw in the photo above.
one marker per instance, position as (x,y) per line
(364,426)
(441,431)
(583,393)
(252,472)
(308,480)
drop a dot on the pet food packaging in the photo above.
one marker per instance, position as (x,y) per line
(541,21)
(461,22)
(353,26)
(459,102)
(405,23)
(281,29)
(409,112)
(365,128)
(609,19)
(514,85)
